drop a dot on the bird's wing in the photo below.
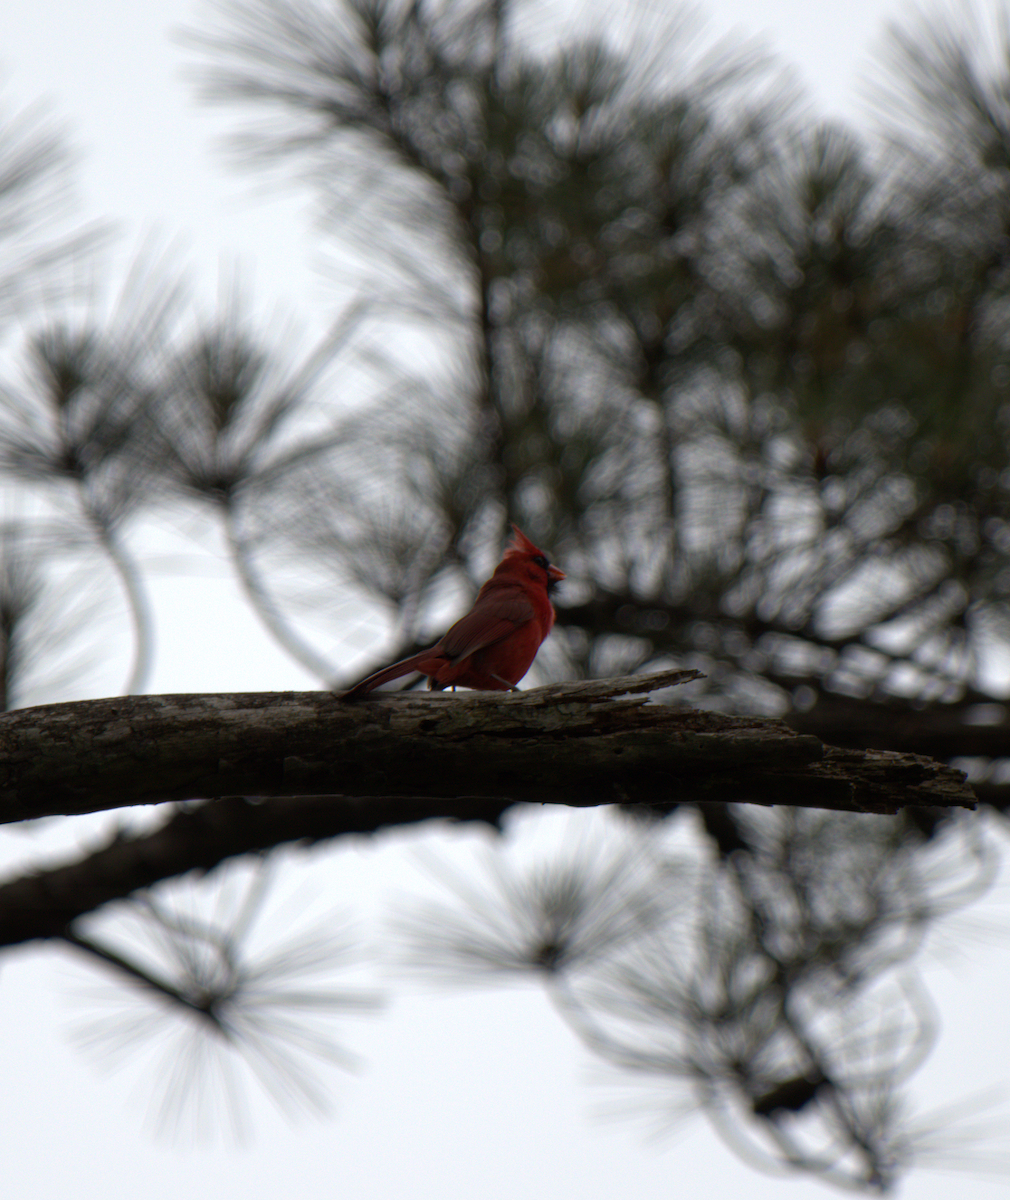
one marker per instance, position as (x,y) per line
(492,618)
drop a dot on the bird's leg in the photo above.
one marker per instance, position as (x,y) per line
(510,686)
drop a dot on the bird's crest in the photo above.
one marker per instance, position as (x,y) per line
(520,544)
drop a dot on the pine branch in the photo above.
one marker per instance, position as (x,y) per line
(584,744)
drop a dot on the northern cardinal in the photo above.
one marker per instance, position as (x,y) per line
(492,647)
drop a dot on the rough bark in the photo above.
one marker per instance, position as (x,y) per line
(597,742)
(306,766)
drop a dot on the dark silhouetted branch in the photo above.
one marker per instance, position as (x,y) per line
(582,744)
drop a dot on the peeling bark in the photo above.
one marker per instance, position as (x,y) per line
(597,742)
(303,766)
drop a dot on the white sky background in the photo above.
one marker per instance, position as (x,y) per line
(483,1095)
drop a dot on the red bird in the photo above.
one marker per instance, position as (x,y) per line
(492,647)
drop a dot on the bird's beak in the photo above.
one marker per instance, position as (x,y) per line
(555,574)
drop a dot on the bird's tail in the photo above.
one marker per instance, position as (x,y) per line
(422,662)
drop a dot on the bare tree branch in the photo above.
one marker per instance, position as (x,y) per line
(576,743)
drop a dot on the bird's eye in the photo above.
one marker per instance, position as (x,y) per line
(541,561)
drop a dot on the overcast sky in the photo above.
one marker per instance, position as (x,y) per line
(112,71)
(478,1097)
